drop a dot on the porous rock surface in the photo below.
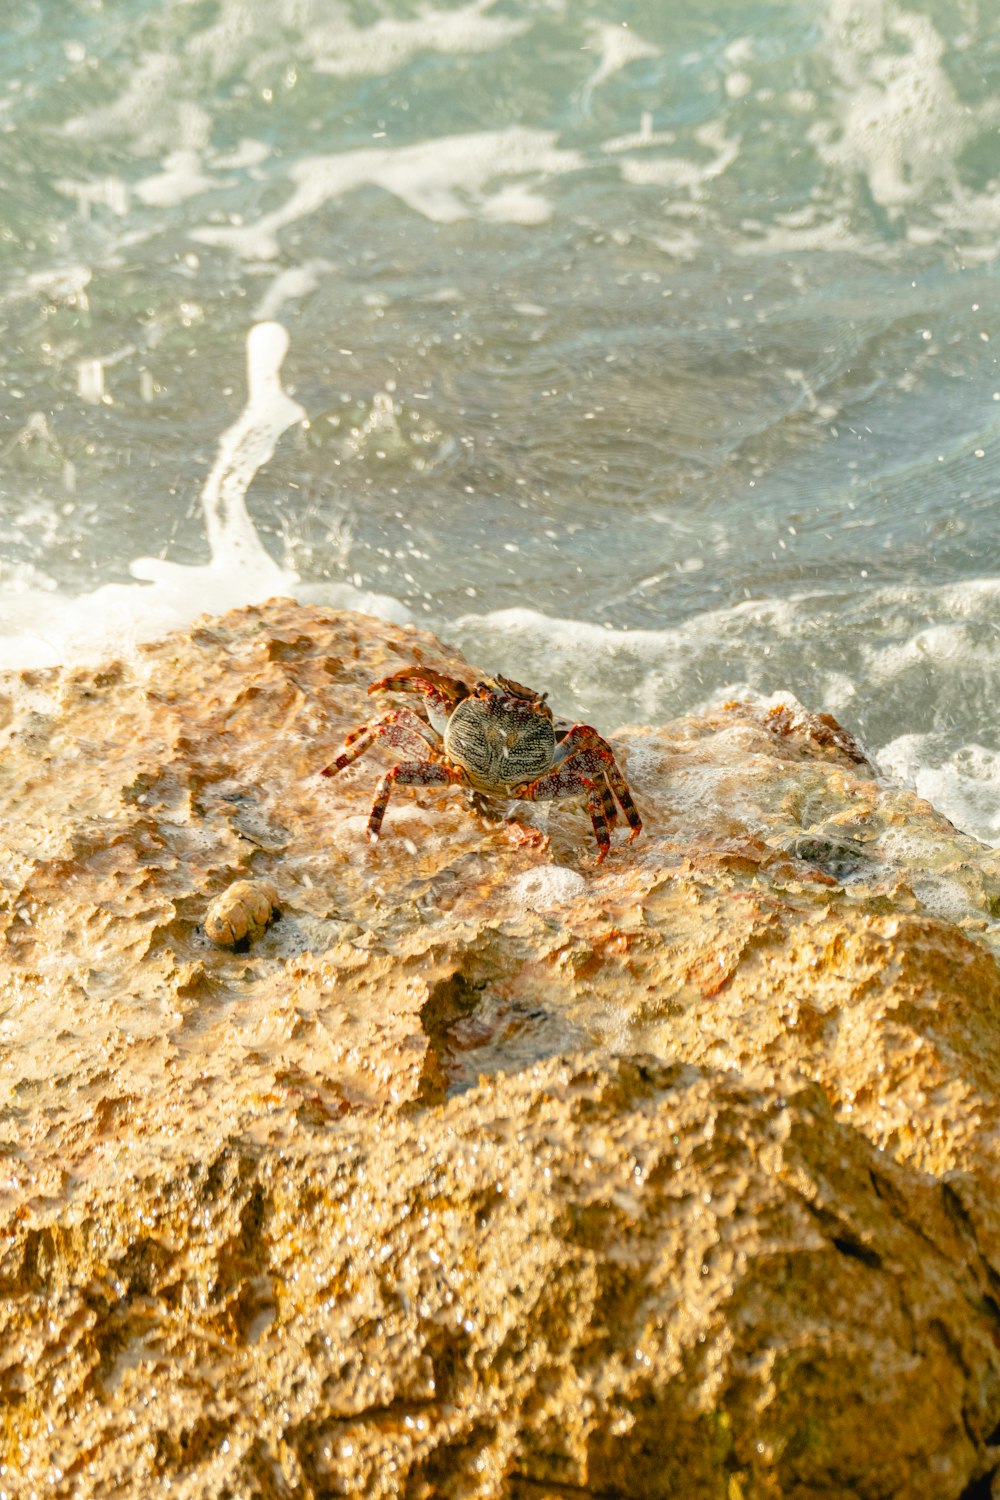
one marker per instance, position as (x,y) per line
(486,1171)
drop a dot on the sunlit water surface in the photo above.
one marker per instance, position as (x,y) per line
(647,350)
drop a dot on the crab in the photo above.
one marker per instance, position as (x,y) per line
(497,738)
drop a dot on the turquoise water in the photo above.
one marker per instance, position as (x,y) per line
(647,350)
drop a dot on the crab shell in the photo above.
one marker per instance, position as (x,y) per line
(500,741)
(242,913)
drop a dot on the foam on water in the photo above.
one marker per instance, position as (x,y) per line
(289,287)
(899,121)
(389,43)
(962,780)
(884,111)
(443,179)
(161,106)
(182,178)
(899,126)
(755,263)
(40,628)
(618,46)
(870,660)
(649,674)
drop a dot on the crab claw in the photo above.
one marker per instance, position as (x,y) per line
(441,691)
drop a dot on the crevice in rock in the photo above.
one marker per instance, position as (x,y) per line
(860,1252)
(184,1449)
(958,1212)
(979,1489)
(526,1486)
(843,1239)
(449,1001)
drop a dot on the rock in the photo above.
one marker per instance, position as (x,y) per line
(489,1171)
(612,1276)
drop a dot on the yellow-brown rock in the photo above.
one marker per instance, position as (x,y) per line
(488,1171)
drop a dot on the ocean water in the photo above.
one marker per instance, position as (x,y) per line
(646,350)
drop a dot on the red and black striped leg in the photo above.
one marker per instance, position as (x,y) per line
(620,788)
(401,727)
(408,773)
(608,803)
(583,748)
(597,797)
(568,781)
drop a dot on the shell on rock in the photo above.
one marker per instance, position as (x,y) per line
(242,913)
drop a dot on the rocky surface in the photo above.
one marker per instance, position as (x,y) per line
(486,1171)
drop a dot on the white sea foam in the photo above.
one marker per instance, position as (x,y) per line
(647,673)
(156,107)
(362,601)
(182,178)
(962,780)
(289,287)
(618,46)
(39,627)
(883,658)
(900,122)
(683,172)
(545,887)
(444,179)
(390,43)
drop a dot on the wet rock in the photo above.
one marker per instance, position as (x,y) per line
(488,1170)
(608,1276)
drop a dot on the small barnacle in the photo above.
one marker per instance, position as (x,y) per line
(242,913)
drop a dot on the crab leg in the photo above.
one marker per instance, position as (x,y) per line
(563,727)
(443,693)
(597,800)
(620,788)
(608,803)
(587,752)
(408,773)
(401,727)
(568,782)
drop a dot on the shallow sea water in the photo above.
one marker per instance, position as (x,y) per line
(648,351)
